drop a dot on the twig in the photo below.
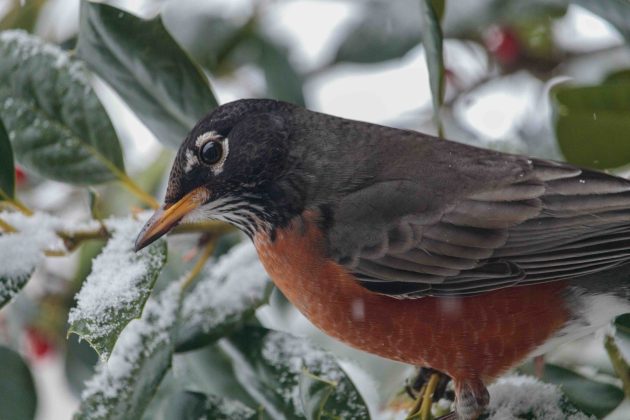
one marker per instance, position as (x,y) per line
(619,364)
(208,250)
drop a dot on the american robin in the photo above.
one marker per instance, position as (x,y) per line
(414,248)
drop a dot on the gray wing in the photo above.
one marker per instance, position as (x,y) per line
(553,222)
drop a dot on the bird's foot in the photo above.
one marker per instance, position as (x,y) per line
(428,386)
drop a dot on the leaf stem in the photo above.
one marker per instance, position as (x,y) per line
(15,203)
(7,227)
(620,365)
(208,250)
(136,190)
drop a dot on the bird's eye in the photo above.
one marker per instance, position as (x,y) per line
(211,152)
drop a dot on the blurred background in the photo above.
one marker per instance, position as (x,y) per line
(503,60)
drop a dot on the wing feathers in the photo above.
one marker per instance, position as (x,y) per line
(558,222)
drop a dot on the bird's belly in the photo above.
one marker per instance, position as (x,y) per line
(478,336)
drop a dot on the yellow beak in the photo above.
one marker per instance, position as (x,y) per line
(166,217)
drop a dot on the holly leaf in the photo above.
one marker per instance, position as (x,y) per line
(7,168)
(592,125)
(272,365)
(148,69)
(123,386)
(117,288)
(18,397)
(226,295)
(56,123)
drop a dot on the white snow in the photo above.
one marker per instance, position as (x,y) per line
(229,408)
(511,397)
(22,251)
(117,283)
(234,283)
(23,46)
(115,381)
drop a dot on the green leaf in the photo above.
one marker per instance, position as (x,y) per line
(432,41)
(386,30)
(118,287)
(18,397)
(592,124)
(147,68)
(227,294)
(283,81)
(270,365)
(618,76)
(79,363)
(55,121)
(188,405)
(209,371)
(7,168)
(124,385)
(589,396)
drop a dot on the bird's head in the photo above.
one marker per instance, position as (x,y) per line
(229,168)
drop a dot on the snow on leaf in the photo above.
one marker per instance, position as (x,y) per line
(56,123)
(117,288)
(22,251)
(272,366)
(123,385)
(227,294)
(217,408)
(516,397)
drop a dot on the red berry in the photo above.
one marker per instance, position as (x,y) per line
(20,176)
(503,43)
(38,344)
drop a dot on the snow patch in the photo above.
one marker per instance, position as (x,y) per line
(512,397)
(22,251)
(118,281)
(235,283)
(22,46)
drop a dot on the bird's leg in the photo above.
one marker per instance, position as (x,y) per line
(539,366)
(428,386)
(471,398)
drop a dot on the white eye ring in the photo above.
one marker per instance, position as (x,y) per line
(205,137)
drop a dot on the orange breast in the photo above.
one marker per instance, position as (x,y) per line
(477,336)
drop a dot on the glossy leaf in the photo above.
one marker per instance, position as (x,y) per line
(55,121)
(209,371)
(123,386)
(186,405)
(589,396)
(283,81)
(7,168)
(147,68)
(118,287)
(79,362)
(227,294)
(270,365)
(592,124)
(18,398)
(432,41)
(384,31)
